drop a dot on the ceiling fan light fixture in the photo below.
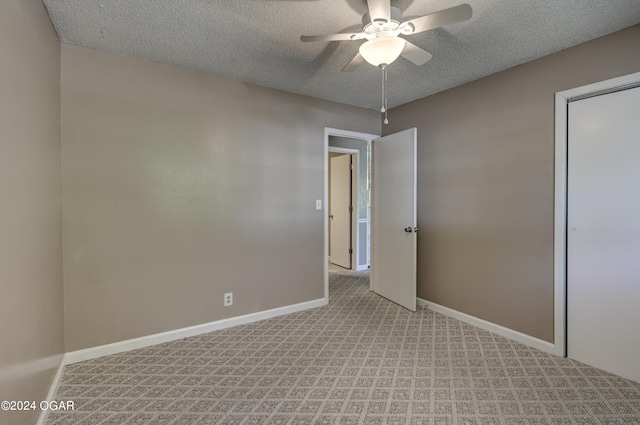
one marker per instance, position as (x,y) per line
(382,50)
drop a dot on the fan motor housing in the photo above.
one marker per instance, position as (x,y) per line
(396,17)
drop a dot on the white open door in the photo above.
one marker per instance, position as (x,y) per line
(340,211)
(393,218)
(603,238)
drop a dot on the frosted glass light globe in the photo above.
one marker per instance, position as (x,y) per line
(382,50)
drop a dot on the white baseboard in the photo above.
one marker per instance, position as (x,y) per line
(53,389)
(492,327)
(361,267)
(145,341)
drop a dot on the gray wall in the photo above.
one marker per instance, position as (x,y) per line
(31,303)
(179,187)
(485,183)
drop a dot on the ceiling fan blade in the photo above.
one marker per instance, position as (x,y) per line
(332,37)
(415,54)
(379,10)
(355,62)
(441,18)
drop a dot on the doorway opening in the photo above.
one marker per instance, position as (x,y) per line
(345,186)
(356,148)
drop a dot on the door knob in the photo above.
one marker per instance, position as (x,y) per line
(415,229)
(408,229)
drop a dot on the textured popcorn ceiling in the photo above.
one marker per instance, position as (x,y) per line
(257,41)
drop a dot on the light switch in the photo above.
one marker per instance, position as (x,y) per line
(318,204)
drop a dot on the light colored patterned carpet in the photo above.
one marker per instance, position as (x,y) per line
(359,360)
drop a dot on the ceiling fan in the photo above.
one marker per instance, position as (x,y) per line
(381,27)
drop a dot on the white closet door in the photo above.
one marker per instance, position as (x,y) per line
(340,214)
(603,240)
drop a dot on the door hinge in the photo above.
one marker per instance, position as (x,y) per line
(350,208)
(350,251)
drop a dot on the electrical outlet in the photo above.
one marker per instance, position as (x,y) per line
(228,299)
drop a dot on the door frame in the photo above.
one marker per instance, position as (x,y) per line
(562,100)
(328,131)
(355,174)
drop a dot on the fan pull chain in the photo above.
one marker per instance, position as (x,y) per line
(383,109)
(383,68)
(386,108)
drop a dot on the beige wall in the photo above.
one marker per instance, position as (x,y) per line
(31,303)
(179,187)
(485,183)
